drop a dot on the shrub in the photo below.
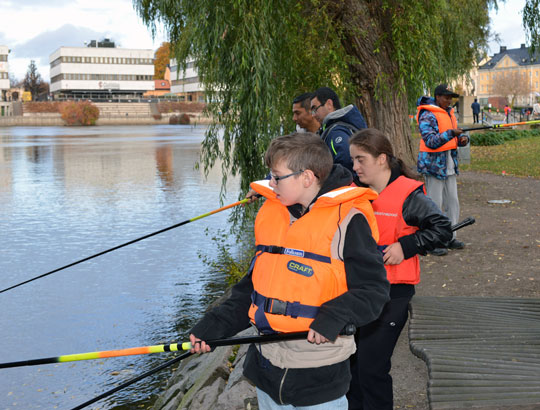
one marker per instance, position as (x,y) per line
(500,137)
(79,113)
(182,119)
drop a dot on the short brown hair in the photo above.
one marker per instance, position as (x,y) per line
(301,151)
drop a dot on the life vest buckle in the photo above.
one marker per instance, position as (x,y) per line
(275,306)
(274,249)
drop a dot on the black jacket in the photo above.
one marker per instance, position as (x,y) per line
(368,292)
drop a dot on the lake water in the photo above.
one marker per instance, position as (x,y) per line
(68,193)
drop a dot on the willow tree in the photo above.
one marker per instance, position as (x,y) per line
(254,56)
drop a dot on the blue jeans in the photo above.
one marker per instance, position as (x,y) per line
(266,403)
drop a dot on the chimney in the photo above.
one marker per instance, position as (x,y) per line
(522,45)
(503,49)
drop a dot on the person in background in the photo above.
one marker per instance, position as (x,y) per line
(337,124)
(438,157)
(475,110)
(507,111)
(316,269)
(410,224)
(302,113)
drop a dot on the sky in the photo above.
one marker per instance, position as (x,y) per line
(34,29)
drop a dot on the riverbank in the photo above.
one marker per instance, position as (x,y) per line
(44,120)
(501,258)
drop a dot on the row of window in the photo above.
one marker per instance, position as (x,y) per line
(486,88)
(190,80)
(4,75)
(3,57)
(101,77)
(101,60)
(501,74)
(190,64)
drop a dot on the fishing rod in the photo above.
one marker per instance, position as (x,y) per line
(485,127)
(173,347)
(243,201)
(466,222)
(349,330)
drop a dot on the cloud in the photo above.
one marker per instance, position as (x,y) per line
(41,46)
(33,3)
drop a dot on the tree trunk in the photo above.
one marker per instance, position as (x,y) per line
(375,72)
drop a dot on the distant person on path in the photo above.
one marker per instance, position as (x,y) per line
(410,224)
(507,111)
(317,269)
(337,124)
(475,110)
(438,157)
(302,113)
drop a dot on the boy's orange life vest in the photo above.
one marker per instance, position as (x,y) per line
(445,121)
(388,209)
(293,272)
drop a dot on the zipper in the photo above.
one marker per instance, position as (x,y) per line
(281,385)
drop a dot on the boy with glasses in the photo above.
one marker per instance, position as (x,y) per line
(316,269)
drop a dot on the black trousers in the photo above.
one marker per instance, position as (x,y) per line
(475,118)
(371,383)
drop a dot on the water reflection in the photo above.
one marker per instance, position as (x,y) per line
(67,193)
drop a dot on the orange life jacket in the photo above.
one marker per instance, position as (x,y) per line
(293,272)
(388,209)
(445,121)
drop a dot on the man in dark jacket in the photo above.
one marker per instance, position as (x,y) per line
(338,124)
(475,110)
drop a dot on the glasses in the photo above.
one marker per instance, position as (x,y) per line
(314,109)
(277,179)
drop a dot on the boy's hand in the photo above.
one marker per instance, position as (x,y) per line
(317,338)
(393,254)
(252,195)
(198,346)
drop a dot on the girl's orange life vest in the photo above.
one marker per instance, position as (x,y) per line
(388,209)
(445,121)
(293,272)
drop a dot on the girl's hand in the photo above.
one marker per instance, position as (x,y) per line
(393,254)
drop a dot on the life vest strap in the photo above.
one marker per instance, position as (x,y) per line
(292,252)
(280,307)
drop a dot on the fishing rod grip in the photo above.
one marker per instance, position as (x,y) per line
(348,330)
(466,222)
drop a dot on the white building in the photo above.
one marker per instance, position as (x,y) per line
(101,71)
(4,72)
(186,83)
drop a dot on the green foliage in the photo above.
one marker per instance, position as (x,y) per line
(223,261)
(531,23)
(253,57)
(434,41)
(500,137)
(79,113)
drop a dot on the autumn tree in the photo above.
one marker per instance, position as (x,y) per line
(512,85)
(161,60)
(32,80)
(254,56)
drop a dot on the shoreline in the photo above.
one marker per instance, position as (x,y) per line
(55,120)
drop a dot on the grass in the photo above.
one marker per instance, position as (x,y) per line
(516,158)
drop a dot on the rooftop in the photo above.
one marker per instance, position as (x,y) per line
(520,56)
